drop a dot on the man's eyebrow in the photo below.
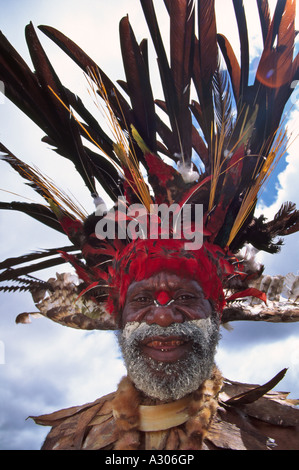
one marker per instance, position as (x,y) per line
(136,287)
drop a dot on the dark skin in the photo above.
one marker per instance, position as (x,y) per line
(164,299)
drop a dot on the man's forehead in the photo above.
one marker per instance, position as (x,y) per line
(163,281)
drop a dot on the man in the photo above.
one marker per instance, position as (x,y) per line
(173,396)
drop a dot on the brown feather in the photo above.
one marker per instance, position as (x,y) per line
(208,54)
(275,67)
(232,64)
(265,20)
(120,105)
(139,88)
(182,49)
(243,35)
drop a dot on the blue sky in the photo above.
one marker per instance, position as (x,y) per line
(45,366)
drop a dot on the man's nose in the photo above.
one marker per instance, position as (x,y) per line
(163,316)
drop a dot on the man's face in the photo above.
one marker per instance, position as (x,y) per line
(169,336)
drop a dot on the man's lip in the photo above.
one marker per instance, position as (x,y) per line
(165,348)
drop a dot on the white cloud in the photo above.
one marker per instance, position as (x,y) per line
(257,361)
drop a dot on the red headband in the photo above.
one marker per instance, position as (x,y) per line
(144,258)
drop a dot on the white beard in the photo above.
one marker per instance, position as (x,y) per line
(169,381)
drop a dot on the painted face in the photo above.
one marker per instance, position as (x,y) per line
(169,336)
(165,299)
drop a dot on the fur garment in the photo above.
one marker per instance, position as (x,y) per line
(201,410)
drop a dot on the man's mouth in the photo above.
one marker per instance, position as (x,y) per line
(168,349)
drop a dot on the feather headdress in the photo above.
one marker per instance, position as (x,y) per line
(214,150)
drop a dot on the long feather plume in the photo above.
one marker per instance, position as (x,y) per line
(44,186)
(122,148)
(279,148)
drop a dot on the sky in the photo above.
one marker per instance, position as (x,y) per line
(44,366)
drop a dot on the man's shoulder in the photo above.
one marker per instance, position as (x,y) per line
(253,417)
(69,425)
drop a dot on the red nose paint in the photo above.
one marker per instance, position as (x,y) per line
(163,297)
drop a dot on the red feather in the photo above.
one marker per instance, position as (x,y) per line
(251,292)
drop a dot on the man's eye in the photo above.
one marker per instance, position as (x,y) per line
(142,299)
(185,297)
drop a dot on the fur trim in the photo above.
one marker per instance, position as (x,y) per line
(202,410)
(191,434)
(125,407)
